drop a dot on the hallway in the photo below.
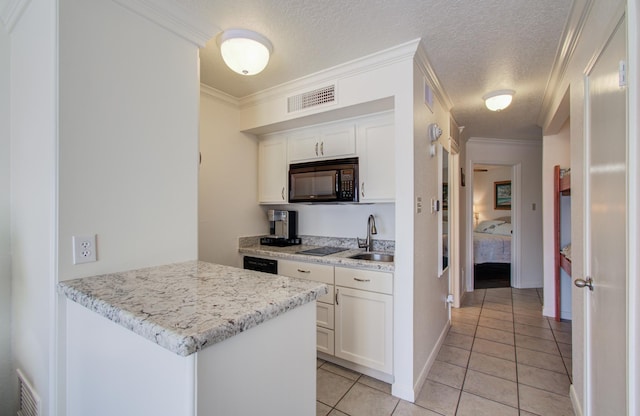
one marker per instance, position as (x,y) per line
(501,357)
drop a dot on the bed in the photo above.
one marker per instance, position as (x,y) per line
(492,253)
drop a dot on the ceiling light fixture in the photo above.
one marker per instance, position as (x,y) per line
(244,51)
(498,100)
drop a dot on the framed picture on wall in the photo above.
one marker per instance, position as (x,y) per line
(502,195)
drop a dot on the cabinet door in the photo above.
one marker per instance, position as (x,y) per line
(376,149)
(363,328)
(338,141)
(304,145)
(326,142)
(272,170)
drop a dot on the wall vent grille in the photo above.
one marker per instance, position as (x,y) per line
(29,399)
(312,98)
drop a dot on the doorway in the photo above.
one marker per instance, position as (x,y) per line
(492,225)
(483,150)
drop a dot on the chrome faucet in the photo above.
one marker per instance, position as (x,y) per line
(371,229)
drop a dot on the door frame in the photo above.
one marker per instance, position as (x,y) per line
(633,208)
(516,204)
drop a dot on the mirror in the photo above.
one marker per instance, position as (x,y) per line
(444,212)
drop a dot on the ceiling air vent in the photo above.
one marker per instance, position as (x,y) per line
(312,98)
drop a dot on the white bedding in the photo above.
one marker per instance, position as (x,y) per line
(491,248)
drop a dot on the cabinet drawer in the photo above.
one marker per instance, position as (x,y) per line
(308,271)
(365,280)
(329,297)
(324,315)
(325,340)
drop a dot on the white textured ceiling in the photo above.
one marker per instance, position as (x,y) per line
(474,46)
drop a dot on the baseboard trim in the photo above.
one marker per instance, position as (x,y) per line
(577,409)
(432,357)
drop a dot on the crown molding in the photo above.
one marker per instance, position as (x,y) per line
(430,75)
(505,142)
(348,69)
(171,15)
(219,95)
(578,15)
(12,12)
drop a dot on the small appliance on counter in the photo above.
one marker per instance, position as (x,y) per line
(283,228)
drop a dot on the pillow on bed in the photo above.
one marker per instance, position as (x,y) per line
(502,229)
(504,219)
(487,226)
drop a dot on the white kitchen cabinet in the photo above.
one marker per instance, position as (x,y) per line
(376,150)
(325,142)
(325,340)
(272,170)
(364,319)
(324,306)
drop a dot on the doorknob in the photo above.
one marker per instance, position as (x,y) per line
(588,282)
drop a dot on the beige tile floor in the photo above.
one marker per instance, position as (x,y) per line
(501,357)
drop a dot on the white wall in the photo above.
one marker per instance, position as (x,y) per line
(33,195)
(6,398)
(527,157)
(484,192)
(228,182)
(123,165)
(430,313)
(129,99)
(344,220)
(555,151)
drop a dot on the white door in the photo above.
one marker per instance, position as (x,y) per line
(606,239)
(364,321)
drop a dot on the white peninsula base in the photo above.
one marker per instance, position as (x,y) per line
(268,370)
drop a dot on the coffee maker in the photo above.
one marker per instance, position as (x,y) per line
(283,228)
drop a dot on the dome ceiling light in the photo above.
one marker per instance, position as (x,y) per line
(244,51)
(498,100)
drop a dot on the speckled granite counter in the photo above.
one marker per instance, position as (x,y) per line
(251,246)
(185,307)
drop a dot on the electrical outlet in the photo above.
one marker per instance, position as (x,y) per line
(84,248)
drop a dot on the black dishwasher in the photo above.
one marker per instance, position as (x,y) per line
(261,265)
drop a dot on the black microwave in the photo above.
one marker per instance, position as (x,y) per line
(324,181)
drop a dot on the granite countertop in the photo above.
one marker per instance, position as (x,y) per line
(185,307)
(252,247)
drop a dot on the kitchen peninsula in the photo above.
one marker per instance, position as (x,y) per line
(190,338)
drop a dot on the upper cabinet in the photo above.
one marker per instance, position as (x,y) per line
(322,143)
(370,138)
(272,170)
(376,151)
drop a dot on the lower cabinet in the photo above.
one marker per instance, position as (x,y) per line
(364,319)
(325,340)
(324,305)
(354,321)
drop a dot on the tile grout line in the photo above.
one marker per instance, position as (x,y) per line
(515,354)
(466,370)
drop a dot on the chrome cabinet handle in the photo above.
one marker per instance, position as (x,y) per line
(282,193)
(362,189)
(337,291)
(581,283)
(322,148)
(361,280)
(316,148)
(304,271)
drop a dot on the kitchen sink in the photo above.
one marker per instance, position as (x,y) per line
(374,257)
